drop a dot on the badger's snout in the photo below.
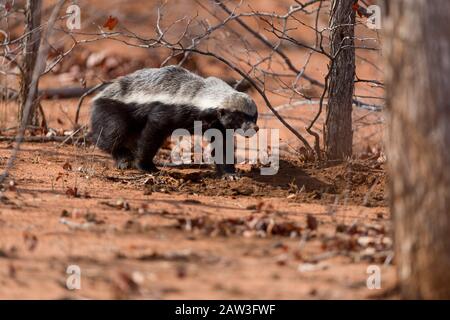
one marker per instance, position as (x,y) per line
(253,126)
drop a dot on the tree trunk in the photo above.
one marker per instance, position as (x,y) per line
(338,135)
(32,42)
(418,97)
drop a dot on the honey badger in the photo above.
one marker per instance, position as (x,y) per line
(132,116)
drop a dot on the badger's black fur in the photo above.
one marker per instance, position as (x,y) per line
(133,116)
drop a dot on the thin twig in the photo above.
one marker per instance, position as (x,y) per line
(39,67)
(84,95)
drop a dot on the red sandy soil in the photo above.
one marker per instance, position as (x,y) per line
(309,232)
(135,238)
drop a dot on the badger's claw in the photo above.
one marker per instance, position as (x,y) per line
(123,164)
(230,176)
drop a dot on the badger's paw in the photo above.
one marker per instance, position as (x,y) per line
(227,172)
(231,177)
(147,167)
(124,164)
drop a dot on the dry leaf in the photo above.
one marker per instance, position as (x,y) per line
(311,222)
(111,23)
(308,267)
(72,192)
(67,166)
(31,240)
(8,6)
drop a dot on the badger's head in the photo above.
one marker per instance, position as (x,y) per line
(239,112)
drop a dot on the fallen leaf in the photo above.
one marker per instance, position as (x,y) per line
(92,217)
(366,241)
(95,59)
(181,271)
(72,192)
(12,271)
(65,214)
(248,227)
(111,23)
(308,267)
(282,259)
(31,240)
(12,185)
(8,6)
(126,283)
(67,166)
(311,222)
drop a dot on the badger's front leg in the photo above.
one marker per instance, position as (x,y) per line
(150,140)
(223,168)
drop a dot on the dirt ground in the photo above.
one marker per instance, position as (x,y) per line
(309,232)
(184,233)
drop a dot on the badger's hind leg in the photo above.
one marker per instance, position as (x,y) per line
(111,129)
(151,139)
(123,157)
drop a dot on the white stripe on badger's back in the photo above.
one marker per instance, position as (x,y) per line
(198,101)
(176,85)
